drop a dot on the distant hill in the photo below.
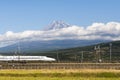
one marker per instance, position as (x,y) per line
(79,54)
(88,53)
(43,46)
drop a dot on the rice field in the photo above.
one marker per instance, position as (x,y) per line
(60,74)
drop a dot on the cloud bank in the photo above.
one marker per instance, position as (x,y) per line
(96,31)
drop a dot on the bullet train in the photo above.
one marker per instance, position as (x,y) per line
(26,58)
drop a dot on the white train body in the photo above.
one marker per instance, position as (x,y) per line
(26,58)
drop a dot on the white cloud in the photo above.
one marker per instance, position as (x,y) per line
(109,31)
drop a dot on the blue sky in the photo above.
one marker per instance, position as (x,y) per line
(21,15)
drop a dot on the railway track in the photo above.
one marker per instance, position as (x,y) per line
(37,65)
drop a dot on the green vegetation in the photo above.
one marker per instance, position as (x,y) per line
(62,74)
(55,78)
(85,54)
(89,53)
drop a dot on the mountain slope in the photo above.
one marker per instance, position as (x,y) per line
(38,46)
(73,54)
(88,53)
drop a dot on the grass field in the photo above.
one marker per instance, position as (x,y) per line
(60,74)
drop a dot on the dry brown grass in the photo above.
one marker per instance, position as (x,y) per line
(60,74)
(23,71)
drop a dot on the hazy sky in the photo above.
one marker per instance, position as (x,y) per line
(22,15)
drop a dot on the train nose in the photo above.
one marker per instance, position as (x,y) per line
(52,59)
(49,59)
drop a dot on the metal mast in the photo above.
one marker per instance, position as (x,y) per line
(98,53)
(18,50)
(110,51)
(82,57)
(57,56)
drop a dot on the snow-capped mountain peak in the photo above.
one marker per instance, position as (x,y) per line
(57,25)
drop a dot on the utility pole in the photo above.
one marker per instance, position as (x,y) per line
(57,57)
(82,57)
(18,48)
(18,51)
(98,54)
(95,48)
(110,51)
(75,57)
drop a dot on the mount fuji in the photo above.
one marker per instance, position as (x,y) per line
(37,43)
(57,25)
